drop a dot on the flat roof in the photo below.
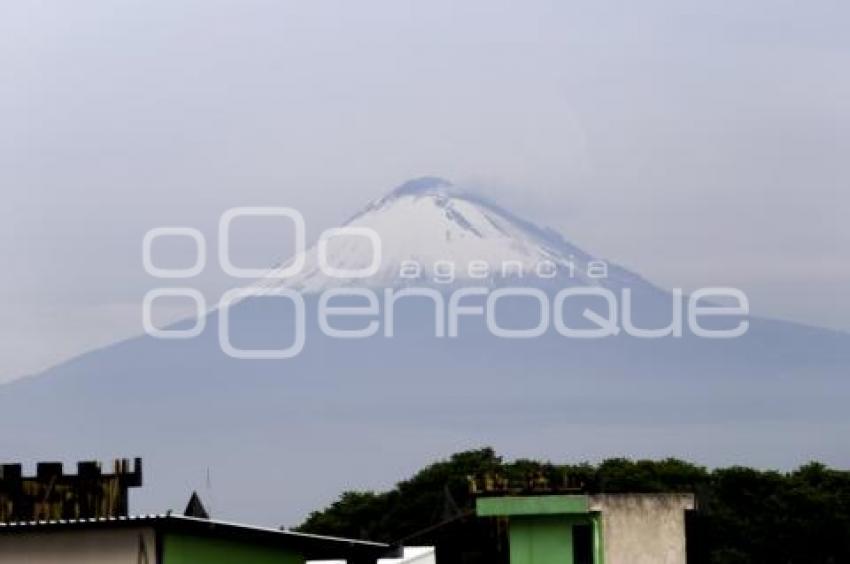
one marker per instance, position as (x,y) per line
(531,505)
(312,546)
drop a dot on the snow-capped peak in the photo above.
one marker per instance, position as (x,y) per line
(423,186)
(437,234)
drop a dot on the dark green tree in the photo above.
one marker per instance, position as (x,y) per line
(744,515)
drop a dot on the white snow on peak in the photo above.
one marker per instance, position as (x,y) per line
(435,234)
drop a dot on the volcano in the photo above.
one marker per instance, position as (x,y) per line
(281,437)
(435,233)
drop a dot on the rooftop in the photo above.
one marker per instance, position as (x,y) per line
(313,546)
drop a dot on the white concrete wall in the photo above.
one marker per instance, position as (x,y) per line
(412,555)
(104,546)
(643,528)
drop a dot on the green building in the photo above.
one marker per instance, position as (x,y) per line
(593,529)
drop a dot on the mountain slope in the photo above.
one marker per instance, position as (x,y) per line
(283,437)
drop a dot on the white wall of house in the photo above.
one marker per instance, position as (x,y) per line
(412,555)
(643,528)
(104,546)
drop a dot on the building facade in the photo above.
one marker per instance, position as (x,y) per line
(171,539)
(593,529)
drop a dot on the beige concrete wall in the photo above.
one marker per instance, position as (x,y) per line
(105,546)
(643,528)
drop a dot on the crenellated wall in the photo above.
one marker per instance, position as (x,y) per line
(53,494)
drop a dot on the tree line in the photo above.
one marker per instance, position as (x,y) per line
(744,515)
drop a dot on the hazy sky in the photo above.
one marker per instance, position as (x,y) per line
(696,143)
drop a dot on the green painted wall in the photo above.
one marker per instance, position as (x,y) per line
(541,527)
(187,549)
(541,540)
(598,535)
